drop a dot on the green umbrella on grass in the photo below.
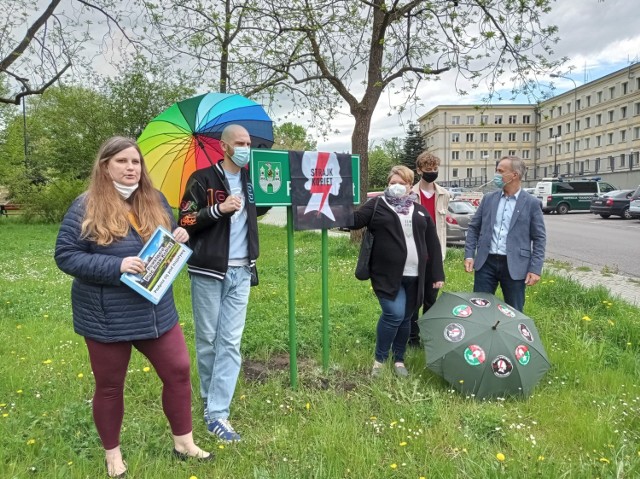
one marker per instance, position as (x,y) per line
(482,346)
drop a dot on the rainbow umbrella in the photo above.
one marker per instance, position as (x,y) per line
(186,137)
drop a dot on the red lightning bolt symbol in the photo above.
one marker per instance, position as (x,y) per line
(316,186)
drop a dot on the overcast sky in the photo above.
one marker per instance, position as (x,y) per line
(598,36)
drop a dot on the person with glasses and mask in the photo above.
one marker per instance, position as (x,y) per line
(218,210)
(405,245)
(506,237)
(435,199)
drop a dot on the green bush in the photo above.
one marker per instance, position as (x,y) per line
(48,202)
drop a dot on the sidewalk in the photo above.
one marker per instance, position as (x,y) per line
(622,286)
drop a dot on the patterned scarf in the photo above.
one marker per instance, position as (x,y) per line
(403,204)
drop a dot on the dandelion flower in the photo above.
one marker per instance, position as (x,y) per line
(221,446)
(394,466)
(70,463)
(461,381)
(308,406)
(146,369)
(80,375)
(586,318)
(3,404)
(540,458)
(500,457)
(611,322)
(393,423)
(5,415)
(193,477)
(604,460)
(19,326)
(31,442)
(47,361)
(403,443)
(19,391)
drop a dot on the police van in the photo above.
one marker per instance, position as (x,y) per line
(562,195)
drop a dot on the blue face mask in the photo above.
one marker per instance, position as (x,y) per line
(241,155)
(498,181)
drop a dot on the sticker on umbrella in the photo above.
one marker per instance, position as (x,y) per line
(462,311)
(522,354)
(506,311)
(526,334)
(481,302)
(501,366)
(474,355)
(454,332)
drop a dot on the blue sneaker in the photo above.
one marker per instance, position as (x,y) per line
(223,429)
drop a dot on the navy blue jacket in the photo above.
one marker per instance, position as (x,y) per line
(104,309)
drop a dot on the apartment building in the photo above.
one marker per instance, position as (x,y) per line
(593,129)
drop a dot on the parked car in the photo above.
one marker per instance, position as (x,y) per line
(634,204)
(562,196)
(455,191)
(458,217)
(614,203)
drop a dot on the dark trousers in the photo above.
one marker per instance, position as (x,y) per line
(394,323)
(496,271)
(109,361)
(430,296)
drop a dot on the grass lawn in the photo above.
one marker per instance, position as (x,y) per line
(583,420)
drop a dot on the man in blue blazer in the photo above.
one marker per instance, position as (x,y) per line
(506,237)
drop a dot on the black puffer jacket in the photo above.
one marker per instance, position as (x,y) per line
(104,309)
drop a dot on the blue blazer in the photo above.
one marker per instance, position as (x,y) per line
(526,239)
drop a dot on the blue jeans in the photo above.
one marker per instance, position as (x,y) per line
(495,270)
(394,324)
(219,313)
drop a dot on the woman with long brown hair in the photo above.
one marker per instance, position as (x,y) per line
(100,237)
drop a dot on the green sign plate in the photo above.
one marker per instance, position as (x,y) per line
(271,177)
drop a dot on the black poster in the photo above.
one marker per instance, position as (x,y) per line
(321,190)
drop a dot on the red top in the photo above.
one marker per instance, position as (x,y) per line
(429,204)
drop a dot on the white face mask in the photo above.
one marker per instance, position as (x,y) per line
(124,190)
(397,190)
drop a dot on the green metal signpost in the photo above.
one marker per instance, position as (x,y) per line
(271,179)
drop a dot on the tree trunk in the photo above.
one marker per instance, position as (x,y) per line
(360,146)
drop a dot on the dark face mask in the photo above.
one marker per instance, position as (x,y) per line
(430,176)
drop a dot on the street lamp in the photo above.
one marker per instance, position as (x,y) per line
(575,114)
(556,139)
(486,158)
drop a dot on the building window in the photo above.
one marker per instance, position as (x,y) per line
(469,137)
(484,154)
(512,136)
(587,143)
(469,172)
(469,155)
(577,104)
(497,119)
(526,136)
(559,128)
(609,138)
(512,152)
(551,132)
(498,137)
(537,136)
(568,127)
(550,151)
(636,133)
(567,147)
(455,120)
(497,155)
(577,125)
(470,119)
(623,112)
(636,108)
(526,119)
(625,88)
(484,119)
(637,83)
(598,141)
(598,119)
(484,137)
(599,96)
(587,120)
(622,160)
(455,155)
(588,100)
(513,119)
(576,146)
(455,172)
(525,154)
(568,107)
(455,137)
(559,111)
(623,135)
(610,115)
(612,92)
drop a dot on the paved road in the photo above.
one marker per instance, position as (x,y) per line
(584,239)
